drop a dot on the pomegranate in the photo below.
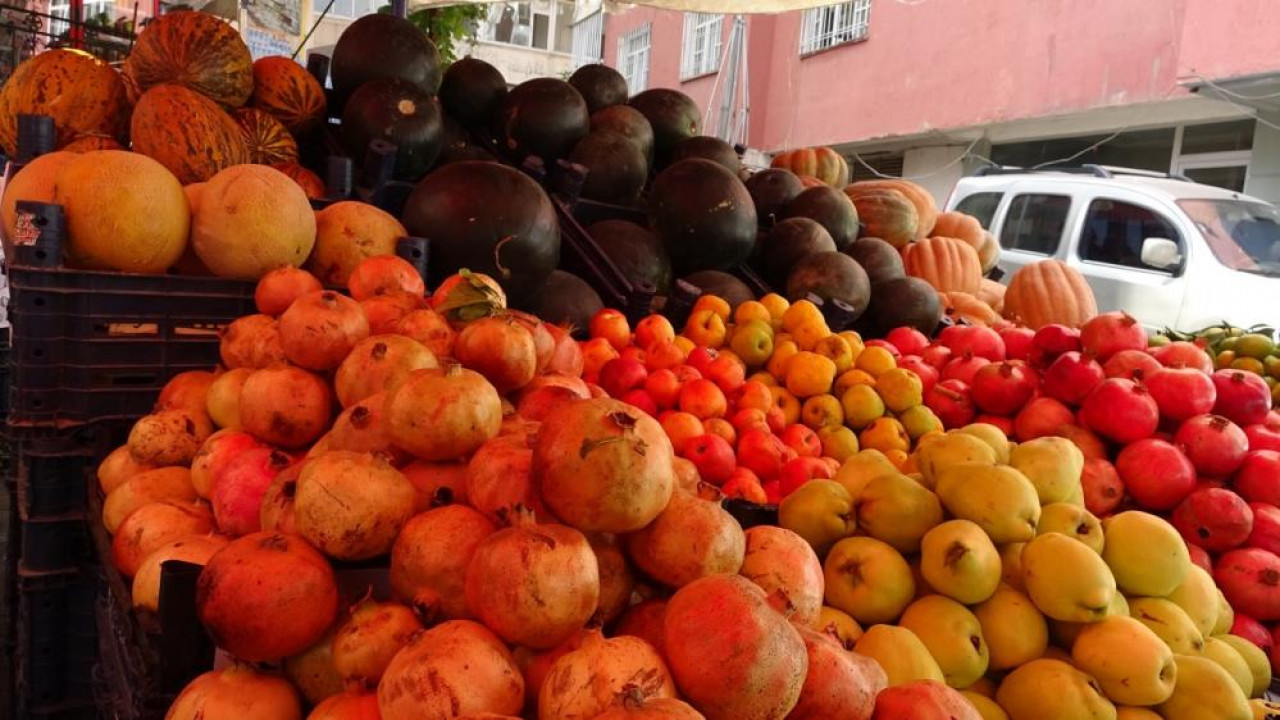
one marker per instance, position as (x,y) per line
(240,486)
(617,581)
(1215,445)
(320,328)
(908,340)
(186,391)
(535,405)
(382,274)
(443,414)
(690,539)
(365,642)
(453,669)
(645,621)
(603,466)
(932,699)
(534,585)
(1091,446)
(1184,354)
(1264,436)
(118,466)
(1072,376)
(637,707)
(1266,527)
(535,664)
(237,691)
(379,363)
(963,368)
(839,684)
(1156,473)
(1200,558)
(352,505)
(1041,417)
(1017,342)
(927,373)
(566,358)
(431,329)
(436,484)
(1109,333)
(1103,488)
(278,511)
(1181,392)
(168,437)
(974,339)
(1002,423)
(785,566)
(1252,630)
(1250,580)
(1214,519)
(385,312)
(219,449)
(501,349)
(1243,398)
(252,341)
(730,653)
(1051,341)
(936,355)
(277,290)
(599,674)
(950,402)
(195,549)
(500,480)
(1121,410)
(430,557)
(170,483)
(347,706)
(362,428)
(154,525)
(222,402)
(465,296)
(266,596)
(543,341)
(286,406)
(1258,479)
(1130,364)
(1003,388)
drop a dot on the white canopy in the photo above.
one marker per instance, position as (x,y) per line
(721,6)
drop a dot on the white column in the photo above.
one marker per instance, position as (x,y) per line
(1264,164)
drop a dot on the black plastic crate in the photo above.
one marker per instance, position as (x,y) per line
(57,640)
(51,477)
(56,544)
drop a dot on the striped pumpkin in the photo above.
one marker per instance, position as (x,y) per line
(886,214)
(285,89)
(195,50)
(1049,292)
(961,226)
(187,133)
(82,94)
(267,140)
(926,208)
(823,163)
(949,265)
(310,183)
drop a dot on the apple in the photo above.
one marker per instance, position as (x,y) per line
(641,399)
(727,373)
(652,330)
(663,355)
(705,327)
(664,387)
(803,440)
(713,303)
(700,357)
(744,485)
(685,373)
(713,457)
(753,342)
(703,399)
(722,428)
(754,395)
(681,427)
(776,418)
(595,353)
(798,471)
(749,419)
(927,373)
(622,374)
(612,326)
(633,352)
(762,453)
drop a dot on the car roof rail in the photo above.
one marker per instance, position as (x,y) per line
(1100,171)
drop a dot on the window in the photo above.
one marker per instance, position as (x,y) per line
(349,9)
(633,58)
(541,24)
(1114,231)
(1035,223)
(588,40)
(90,12)
(981,205)
(833,25)
(700,53)
(1139,149)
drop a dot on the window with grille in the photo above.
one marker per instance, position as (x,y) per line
(541,24)
(588,40)
(700,53)
(833,25)
(633,58)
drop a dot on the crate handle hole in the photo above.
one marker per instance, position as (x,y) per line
(38,353)
(41,254)
(39,302)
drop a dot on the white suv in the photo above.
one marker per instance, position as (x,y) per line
(1170,252)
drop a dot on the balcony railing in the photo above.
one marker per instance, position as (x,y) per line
(25,33)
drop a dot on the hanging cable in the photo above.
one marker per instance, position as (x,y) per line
(962,157)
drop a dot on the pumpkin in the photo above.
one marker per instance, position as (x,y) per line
(285,89)
(960,226)
(266,139)
(82,94)
(926,207)
(808,181)
(949,265)
(187,132)
(968,308)
(195,50)
(822,163)
(1049,292)
(90,143)
(989,251)
(885,214)
(310,183)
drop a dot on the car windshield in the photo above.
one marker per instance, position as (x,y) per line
(1243,235)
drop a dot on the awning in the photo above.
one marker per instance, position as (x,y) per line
(1247,92)
(721,6)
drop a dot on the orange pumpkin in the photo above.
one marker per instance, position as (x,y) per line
(926,207)
(310,183)
(808,181)
(823,163)
(960,226)
(886,214)
(187,132)
(949,265)
(989,251)
(269,143)
(195,50)
(966,307)
(285,89)
(1049,292)
(992,293)
(82,94)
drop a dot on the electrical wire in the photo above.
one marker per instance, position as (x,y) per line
(1085,151)
(968,152)
(1232,93)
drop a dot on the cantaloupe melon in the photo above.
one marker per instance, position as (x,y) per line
(252,219)
(35,183)
(125,212)
(348,232)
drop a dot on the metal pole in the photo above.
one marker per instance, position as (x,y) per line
(731,68)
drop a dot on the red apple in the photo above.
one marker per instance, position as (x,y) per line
(595,353)
(654,329)
(620,375)
(664,387)
(663,355)
(927,373)
(799,471)
(761,453)
(700,358)
(703,399)
(749,419)
(727,373)
(908,340)
(803,440)
(641,399)
(744,485)
(712,456)
(611,325)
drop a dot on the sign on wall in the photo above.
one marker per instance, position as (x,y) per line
(274,27)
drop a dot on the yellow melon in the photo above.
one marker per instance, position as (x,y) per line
(252,219)
(347,233)
(34,182)
(125,212)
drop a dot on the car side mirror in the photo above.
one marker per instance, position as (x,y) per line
(1161,253)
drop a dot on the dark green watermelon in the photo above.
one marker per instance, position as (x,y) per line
(722,285)
(830,276)
(401,113)
(601,86)
(673,115)
(637,253)
(566,299)
(616,170)
(880,259)
(486,217)
(703,215)
(786,243)
(771,190)
(628,122)
(830,207)
(708,148)
(381,46)
(545,117)
(472,91)
(904,301)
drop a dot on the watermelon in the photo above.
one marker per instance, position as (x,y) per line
(708,148)
(545,117)
(673,115)
(830,207)
(381,46)
(831,276)
(401,113)
(786,243)
(703,215)
(472,92)
(601,86)
(616,169)
(566,299)
(636,252)
(771,190)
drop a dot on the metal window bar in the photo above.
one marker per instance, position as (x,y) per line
(833,25)
(700,51)
(25,33)
(588,40)
(633,58)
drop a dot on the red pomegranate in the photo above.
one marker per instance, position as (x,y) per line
(384,312)
(382,274)
(364,644)
(500,480)
(237,691)
(611,668)
(1213,518)
(1107,334)
(1264,436)
(1131,364)
(218,450)
(691,538)
(1017,342)
(617,579)
(499,348)
(1252,630)
(785,567)
(1071,377)
(153,526)
(1041,417)
(266,596)
(1258,478)
(908,340)
(1215,445)
(1200,557)
(252,341)
(1243,398)
(347,706)
(927,373)
(362,428)
(1266,527)
(319,329)
(454,669)
(1051,341)
(443,414)
(1103,489)
(1156,473)
(1181,392)
(839,684)
(950,401)
(1091,446)
(1002,388)
(1005,424)
(431,329)
(1250,579)
(430,557)
(566,358)
(277,290)
(1184,354)
(277,512)
(351,505)
(379,363)
(286,406)
(239,488)
(936,355)
(1121,410)
(974,339)
(963,368)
